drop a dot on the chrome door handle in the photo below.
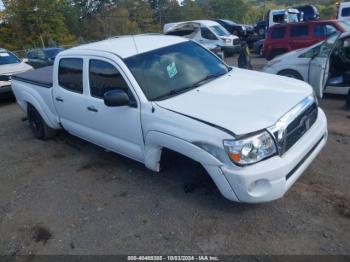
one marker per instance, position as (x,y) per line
(59,99)
(92,109)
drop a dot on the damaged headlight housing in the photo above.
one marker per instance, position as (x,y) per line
(250,150)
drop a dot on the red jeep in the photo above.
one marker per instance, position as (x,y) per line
(283,38)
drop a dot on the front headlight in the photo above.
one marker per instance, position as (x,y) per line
(252,149)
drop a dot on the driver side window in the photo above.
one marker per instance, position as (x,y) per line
(207,34)
(104,77)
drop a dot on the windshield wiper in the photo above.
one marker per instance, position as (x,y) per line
(174,93)
(196,84)
(208,78)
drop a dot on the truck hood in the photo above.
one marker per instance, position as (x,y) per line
(241,101)
(11,69)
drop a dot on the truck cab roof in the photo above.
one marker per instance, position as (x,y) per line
(128,46)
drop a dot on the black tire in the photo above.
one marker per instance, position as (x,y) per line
(40,129)
(292,74)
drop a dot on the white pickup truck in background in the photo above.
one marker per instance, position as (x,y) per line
(254,133)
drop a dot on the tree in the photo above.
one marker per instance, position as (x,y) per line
(191,10)
(33,23)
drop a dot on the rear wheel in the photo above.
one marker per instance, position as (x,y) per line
(291,74)
(40,129)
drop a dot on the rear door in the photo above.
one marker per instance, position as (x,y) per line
(319,65)
(299,36)
(70,97)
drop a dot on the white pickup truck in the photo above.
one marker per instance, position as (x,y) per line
(254,133)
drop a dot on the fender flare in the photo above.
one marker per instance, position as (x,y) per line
(44,111)
(155,141)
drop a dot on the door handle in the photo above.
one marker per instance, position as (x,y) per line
(92,109)
(59,99)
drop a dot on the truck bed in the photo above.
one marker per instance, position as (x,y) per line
(40,77)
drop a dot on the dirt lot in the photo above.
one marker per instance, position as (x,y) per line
(66,196)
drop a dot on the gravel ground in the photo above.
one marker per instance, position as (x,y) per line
(67,196)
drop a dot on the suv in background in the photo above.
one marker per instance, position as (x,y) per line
(42,57)
(284,38)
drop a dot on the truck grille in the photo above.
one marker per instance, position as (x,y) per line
(293,125)
(300,125)
(236,41)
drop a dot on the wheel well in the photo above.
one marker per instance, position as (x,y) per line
(194,173)
(170,157)
(292,71)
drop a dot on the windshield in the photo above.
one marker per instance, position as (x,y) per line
(7,58)
(345,25)
(327,46)
(293,17)
(168,71)
(219,30)
(229,22)
(51,53)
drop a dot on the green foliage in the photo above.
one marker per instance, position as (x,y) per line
(33,23)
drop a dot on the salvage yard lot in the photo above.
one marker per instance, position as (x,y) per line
(67,196)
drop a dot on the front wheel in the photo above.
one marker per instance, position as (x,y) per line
(40,129)
(291,74)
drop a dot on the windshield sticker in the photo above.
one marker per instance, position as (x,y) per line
(4,54)
(172,70)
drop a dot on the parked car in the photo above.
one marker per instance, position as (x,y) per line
(141,95)
(9,64)
(326,65)
(42,57)
(309,12)
(233,28)
(204,32)
(288,37)
(343,11)
(258,47)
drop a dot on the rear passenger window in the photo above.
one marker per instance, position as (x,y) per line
(70,74)
(299,31)
(278,33)
(104,77)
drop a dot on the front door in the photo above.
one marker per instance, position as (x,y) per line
(115,128)
(319,65)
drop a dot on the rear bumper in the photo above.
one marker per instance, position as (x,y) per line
(271,179)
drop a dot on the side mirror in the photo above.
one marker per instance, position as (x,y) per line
(116,98)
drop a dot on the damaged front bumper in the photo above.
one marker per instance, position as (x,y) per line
(271,179)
